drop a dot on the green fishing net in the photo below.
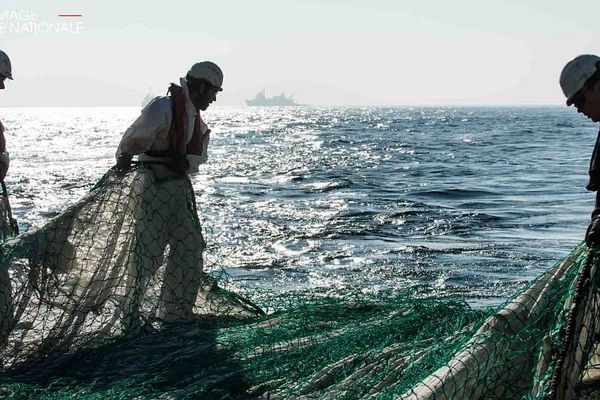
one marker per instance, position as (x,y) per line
(109,300)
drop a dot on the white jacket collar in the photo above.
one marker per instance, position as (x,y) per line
(189,106)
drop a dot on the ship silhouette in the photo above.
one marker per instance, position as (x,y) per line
(260,100)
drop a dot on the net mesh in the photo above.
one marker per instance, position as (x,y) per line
(109,300)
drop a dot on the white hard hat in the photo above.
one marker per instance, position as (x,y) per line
(576,73)
(5,68)
(209,71)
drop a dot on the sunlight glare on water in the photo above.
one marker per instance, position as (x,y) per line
(472,201)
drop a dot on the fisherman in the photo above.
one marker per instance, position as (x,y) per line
(5,229)
(580,82)
(171,140)
(5,72)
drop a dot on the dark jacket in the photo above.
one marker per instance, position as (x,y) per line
(594,172)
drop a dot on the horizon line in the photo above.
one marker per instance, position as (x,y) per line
(313,105)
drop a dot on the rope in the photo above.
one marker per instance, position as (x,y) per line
(581,289)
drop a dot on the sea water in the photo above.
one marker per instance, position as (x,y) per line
(473,201)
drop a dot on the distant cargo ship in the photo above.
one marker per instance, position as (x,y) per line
(263,101)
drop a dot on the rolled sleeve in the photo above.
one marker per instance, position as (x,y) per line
(155,117)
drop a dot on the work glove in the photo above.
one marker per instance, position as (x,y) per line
(4,162)
(124,161)
(592,235)
(178,163)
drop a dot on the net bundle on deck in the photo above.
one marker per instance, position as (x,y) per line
(109,300)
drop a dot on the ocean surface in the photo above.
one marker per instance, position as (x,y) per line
(473,201)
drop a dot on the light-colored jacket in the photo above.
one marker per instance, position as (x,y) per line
(150,131)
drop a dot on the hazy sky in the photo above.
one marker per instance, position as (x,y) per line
(334,52)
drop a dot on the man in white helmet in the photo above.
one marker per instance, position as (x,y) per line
(580,82)
(170,139)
